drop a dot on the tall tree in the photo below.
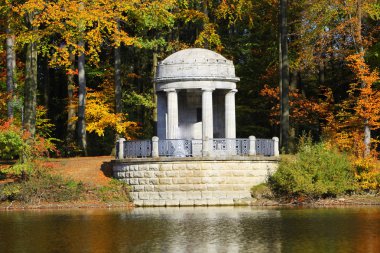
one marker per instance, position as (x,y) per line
(360,48)
(118,81)
(30,86)
(11,67)
(81,126)
(284,63)
(71,105)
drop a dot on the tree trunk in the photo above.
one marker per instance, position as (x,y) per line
(30,87)
(46,83)
(280,74)
(10,43)
(321,72)
(294,80)
(81,130)
(71,109)
(293,128)
(118,84)
(154,72)
(284,121)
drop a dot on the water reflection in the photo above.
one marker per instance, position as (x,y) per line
(213,229)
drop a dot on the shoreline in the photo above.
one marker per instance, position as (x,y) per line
(14,206)
(347,201)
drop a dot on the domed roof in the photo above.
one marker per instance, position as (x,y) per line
(195,64)
(193,55)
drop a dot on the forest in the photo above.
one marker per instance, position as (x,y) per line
(76,75)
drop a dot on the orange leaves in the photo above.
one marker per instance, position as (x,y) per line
(303,110)
(345,126)
(367,98)
(72,72)
(233,10)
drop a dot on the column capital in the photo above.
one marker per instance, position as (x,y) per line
(208,89)
(232,91)
(170,90)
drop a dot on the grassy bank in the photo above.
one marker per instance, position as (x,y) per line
(31,185)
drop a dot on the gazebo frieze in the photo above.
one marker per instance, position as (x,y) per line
(196,84)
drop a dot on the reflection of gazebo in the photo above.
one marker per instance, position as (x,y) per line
(196,111)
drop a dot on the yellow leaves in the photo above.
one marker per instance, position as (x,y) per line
(209,37)
(93,21)
(373,9)
(368,173)
(234,10)
(100,115)
(193,16)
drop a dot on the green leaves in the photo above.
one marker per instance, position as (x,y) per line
(135,99)
(316,171)
(11,144)
(373,10)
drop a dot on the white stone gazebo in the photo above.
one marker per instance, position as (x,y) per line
(196,96)
(196,111)
(195,159)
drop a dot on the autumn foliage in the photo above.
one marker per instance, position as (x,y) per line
(343,122)
(16,143)
(100,115)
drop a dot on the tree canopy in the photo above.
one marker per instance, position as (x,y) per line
(333,54)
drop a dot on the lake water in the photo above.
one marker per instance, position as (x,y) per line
(213,229)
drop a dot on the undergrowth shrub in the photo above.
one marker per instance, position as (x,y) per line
(367,173)
(261,191)
(11,141)
(35,184)
(116,190)
(316,171)
(43,187)
(17,143)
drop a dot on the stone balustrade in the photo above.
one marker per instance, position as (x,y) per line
(222,147)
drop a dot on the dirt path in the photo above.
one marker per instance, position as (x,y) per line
(90,170)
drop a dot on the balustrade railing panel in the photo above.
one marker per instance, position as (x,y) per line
(265,147)
(187,148)
(138,148)
(224,146)
(176,148)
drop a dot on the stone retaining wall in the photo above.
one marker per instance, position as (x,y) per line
(192,182)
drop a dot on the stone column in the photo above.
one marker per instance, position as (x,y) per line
(207,114)
(172,126)
(230,118)
(276,146)
(207,121)
(120,154)
(252,145)
(155,152)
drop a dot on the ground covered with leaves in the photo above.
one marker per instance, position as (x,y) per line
(61,183)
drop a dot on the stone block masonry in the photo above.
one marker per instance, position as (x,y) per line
(193,181)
